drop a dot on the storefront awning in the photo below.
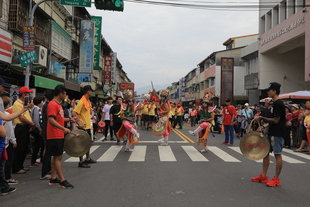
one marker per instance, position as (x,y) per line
(42,82)
(72,86)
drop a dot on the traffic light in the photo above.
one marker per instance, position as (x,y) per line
(112,5)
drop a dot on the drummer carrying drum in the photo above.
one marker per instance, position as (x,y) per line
(276,133)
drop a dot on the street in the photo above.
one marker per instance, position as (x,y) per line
(174,175)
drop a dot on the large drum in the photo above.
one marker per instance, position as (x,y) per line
(77,143)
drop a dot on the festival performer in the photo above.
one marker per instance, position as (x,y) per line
(129,126)
(163,128)
(206,117)
(82,112)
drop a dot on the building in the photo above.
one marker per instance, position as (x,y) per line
(284,45)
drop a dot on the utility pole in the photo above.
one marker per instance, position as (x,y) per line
(30,23)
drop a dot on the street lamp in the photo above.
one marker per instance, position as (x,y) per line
(30,23)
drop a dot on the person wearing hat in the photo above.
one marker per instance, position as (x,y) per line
(276,134)
(295,125)
(4,186)
(179,114)
(24,124)
(229,113)
(106,118)
(82,112)
(247,112)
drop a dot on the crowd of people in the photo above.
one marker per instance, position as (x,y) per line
(48,119)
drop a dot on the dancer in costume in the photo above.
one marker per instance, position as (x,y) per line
(206,117)
(128,130)
(163,128)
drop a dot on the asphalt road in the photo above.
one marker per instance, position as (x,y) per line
(176,175)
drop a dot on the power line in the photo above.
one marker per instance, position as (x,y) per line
(209,5)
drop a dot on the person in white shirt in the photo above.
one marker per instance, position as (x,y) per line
(106,119)
(247,113)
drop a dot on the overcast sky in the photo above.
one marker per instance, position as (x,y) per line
(162,44)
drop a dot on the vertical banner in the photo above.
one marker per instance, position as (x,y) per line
(86,46)
(29,40)
(107,69)
(113,71)
(97,41)
(227,79)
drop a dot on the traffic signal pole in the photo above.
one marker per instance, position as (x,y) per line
(30,23)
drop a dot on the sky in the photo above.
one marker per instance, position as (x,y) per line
(162,44)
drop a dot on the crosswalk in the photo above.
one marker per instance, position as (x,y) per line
(231,154)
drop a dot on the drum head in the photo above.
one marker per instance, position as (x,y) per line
(101,124)
(254,146)
(77,143)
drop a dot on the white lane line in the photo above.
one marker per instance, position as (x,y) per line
(237,149)
(289,159)
(138,155)
(147,142)
(110,154)
(222,154)
(194,154)
(299,154)
(166,154)
(76,159)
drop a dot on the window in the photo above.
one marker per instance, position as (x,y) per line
(212,82)
(262,24)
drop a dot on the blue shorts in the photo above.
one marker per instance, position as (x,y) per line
(276,144)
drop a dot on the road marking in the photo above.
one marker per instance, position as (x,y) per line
(76,159)
(305,156)
(166,154)
(138,155)
(194,154)
(237,149)
(110,154)
(180,136)
(222,154)
(289,159)
(146,142)
(186,137)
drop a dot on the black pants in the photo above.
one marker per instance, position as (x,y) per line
(20,152)
(46,161)
(36,147)
(287,138)
(107,127)
(178,121)
(116,127)
(9,162)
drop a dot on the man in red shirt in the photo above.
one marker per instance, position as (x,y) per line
(55,135)
(229,114)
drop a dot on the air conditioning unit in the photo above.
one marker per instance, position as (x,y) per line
(42,55)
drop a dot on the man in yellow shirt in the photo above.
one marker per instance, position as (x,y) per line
(82,111)
(152,108)
(179,114)
(23,125)
(145,113)
(172,113)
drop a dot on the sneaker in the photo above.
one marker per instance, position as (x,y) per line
(230,144)
(91,161)
(225,143)
(260,179)
(204,150)
(65,184)
(7,190)
(83,165)
(37,164)
(274,182)
(54,181)
(129,150)
(192,133)
(164,144)
(161,140)
(137,135)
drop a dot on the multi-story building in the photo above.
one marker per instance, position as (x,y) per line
(57,39)
(284,44)
(221,74)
